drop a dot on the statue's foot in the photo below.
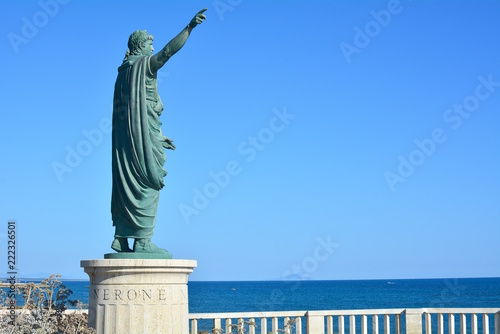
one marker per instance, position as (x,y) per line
(120,245)
(146,246)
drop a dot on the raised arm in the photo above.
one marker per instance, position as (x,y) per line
(159,59)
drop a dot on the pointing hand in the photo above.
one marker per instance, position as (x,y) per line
(198,18)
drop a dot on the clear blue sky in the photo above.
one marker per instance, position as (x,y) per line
(362,137)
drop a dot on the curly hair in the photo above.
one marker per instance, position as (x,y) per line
(135,40)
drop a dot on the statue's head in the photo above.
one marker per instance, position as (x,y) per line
(140,43)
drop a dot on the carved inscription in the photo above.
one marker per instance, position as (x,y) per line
(129,295)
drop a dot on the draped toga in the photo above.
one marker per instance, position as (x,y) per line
(138,154)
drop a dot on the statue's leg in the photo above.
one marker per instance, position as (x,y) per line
(120,245)
(144,245)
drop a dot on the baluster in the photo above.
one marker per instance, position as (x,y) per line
(251,326)
(287,326)
(486,324)
(473,323)
(274,325)
(387,324)
(341,324)
(440,323)
(397,320)
(428,327)
(364,324)
(263,325)
(463,324)
(375,323)
(298,325)
(241,325)
(451,323)
(352,324)
(497,323)
(229,329)
(194,326)
(329,324)
(217,326)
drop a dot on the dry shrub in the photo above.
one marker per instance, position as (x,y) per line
(44,310)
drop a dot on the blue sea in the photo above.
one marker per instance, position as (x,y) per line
(257,296)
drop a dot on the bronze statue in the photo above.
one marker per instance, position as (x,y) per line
(138,143)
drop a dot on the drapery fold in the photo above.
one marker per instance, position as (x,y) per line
(138,155)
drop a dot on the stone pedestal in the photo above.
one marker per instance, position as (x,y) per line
(138,295)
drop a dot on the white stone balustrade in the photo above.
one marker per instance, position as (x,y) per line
(416,321)
(469,322)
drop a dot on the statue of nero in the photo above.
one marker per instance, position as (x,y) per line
(138,145)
